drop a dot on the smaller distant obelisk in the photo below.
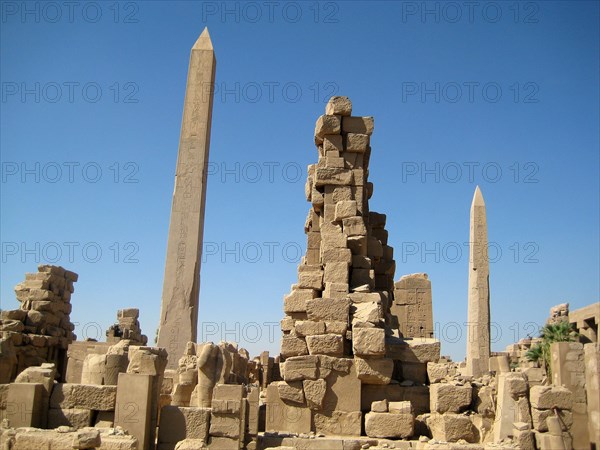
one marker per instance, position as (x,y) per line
(478,326)
(181,285)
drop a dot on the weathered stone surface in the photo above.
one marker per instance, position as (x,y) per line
(314,391)
(68,395)
(354,226)
(451,427)
(86,439)
(412,306)
(367,312)
(282,417)
(328,309)
(300,368)
(404,407)
(368,341)
(293,346)
(309,327)
(374,371)
(71,417)
(296,300)
(179,423)
(181,288)
(380,406)
(339,423)
(333,176)
(387,425)
(436,372)
(225,425)
(24,405)
(338,105)
(357,143)
(540,416)
(363,125)
(345,209)
(325,344)
(290,391)
(547,397)
(417,395)
(133,406)
(327,124)
(447,397)
(413,350)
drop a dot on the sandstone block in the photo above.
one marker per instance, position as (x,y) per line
(363,125)
(73,417)
(310,280)
(338,105)
(445,397)
(300,368)
(336,327)
(24,407)
(327,124)
(438,371)
(309,327)
(368,341)
(345,209)
(451,427)
(516,384)
(357,143)
(86,439)
(333,255)
(332,142)
(380,406)
(333,176)
(404,407)
(225,425)
(336,272)
(374,371)
(547,397)
(314,391)
(328,309)
(179,423)
(337,423)
(83,396)
(325,344)
(282,417)
(387,425)
(367,312)
(540,418)
(293,346)
(354,226)
(296,300)
(291,391)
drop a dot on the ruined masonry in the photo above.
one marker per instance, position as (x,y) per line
(339,342)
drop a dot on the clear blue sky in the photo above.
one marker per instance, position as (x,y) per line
(504,96)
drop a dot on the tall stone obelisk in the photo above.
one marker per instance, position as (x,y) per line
(181,286)
(478,326)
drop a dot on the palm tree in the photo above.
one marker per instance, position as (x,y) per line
(553,332)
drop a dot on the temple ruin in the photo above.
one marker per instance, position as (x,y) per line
(359,366)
